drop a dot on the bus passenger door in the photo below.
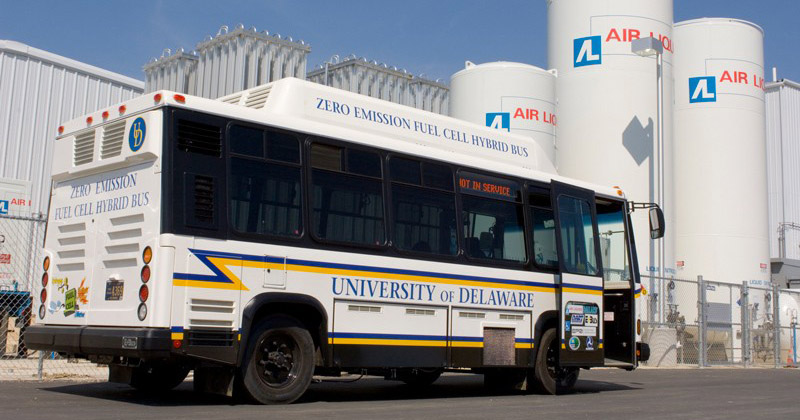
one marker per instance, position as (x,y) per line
(580,288)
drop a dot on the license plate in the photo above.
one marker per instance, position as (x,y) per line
(130,342)
(114,289)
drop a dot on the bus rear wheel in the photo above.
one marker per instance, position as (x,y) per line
(279,362)
(549,377)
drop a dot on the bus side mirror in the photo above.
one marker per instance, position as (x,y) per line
(656,223)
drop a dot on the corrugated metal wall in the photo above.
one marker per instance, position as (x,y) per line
(176,72)
(783,164)
(359,75)
(39,91)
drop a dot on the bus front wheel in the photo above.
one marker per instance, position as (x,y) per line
(549,377)
(279,363)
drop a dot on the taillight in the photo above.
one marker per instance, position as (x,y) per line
(145,274)
(144,293)
(46,263)
(42,311)
(43,295)
(147,255)
(45,279)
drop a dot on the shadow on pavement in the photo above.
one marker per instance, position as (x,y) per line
(363,390)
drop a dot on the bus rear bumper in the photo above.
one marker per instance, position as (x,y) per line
(83,341)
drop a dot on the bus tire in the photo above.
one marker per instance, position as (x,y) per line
(419,376)
(158,378)
(549,378)
(279,362)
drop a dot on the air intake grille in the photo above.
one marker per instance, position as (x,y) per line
(204,199)
(204,139)
(84,148)
(113,135)
(211,338)
(256,98)
(234,99)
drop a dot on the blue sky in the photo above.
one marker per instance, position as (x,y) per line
(430,37)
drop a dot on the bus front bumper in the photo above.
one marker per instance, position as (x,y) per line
(83,341)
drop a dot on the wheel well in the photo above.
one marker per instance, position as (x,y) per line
(307,310)
(547,320)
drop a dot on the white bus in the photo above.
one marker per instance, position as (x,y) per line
(295,229)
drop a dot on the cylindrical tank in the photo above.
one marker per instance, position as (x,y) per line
(720,151)
(608,105)
(510,96)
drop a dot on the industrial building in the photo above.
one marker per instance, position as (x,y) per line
(38,91)
(783,155)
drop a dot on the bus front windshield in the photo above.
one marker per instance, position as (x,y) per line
(613,243)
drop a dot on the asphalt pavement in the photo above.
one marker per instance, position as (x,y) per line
(600,394)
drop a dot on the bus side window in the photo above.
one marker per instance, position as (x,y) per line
(264,192)
(577,235)
(492,215)
(423,207)
(543,230)
(347,195)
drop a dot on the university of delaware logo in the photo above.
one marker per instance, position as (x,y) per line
(702,89)
(136,136)
(587,51)
(499,120)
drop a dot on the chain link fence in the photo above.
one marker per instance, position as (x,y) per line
(696,322)
(21,241)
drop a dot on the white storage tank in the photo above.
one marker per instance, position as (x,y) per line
(607,105)
(720,151)
(509,96)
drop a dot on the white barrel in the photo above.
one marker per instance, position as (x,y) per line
(608,101)
(509,96)
(720,151)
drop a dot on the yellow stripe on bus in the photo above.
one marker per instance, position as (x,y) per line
(582,291)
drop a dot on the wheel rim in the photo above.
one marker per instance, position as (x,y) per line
(552,360)
(555,372)
(278,358)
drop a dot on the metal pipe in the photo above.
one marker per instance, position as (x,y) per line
(782,226)
(660,99)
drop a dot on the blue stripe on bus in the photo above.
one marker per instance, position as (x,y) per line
(387,336)
(581,286)
(219,277)
(415,273)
